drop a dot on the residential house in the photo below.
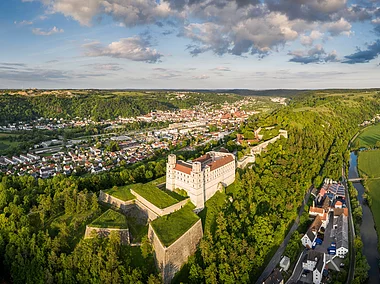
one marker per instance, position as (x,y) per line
(315,261)
(311,234)
(341,235)
(275,278)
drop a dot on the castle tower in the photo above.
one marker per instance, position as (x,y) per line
(170,175)
(197,192)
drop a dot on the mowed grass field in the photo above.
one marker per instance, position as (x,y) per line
(369,163)
(369,137)
(369,166)
(373,186)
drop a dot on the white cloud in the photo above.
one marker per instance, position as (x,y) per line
(308,40)
(201,77)
(316,54)
(340,27)
(23,23)
(52,31)
(105,66)
(221,68)
(132,48)
(129,12)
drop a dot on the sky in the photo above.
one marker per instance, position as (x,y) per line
(190,44)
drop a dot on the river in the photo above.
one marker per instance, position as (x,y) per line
(367,228)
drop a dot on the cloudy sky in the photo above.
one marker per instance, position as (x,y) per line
(254,44)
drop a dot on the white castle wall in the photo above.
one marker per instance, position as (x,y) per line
(200,184)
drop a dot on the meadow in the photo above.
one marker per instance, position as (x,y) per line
(368,138)
(369,166)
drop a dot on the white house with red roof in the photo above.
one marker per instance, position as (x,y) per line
(202,177)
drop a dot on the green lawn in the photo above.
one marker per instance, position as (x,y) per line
(111,219)
(122,192)
(76,222)
(373,186)
(154,195)
(369,163)
(368,137)
(158,181)
(170,227)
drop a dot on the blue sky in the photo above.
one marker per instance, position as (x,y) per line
(219,44)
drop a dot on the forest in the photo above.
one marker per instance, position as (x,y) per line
(249,227)
(98,105)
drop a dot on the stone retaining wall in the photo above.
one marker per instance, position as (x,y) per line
(123,205)
(105,232)
(245,161)
(169,260)
(259,148)
(155,209)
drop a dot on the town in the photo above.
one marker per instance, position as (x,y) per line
(186,129)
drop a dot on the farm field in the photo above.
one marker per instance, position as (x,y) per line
(369,163)
(369,166)
(368,138)
(373,187)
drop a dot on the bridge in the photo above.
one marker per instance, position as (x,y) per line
(355,179)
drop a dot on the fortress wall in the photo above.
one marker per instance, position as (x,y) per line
(169,260)
(245,161)
(147,211)
(174,207)
(257,149)
(123,205)
(155,210)
(105,232)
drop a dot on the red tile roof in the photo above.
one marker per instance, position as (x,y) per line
(220,162)
(202,159)
(182,168)
(316,210)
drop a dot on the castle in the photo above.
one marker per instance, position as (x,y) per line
(202,177)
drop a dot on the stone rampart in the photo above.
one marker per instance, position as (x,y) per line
(123,205)
(105,232)
(169,260)
(259,148)
(245,161)
(155,209)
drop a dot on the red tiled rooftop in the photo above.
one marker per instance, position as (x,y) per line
(221,162)
(316,210)
(202,158)
(183,168)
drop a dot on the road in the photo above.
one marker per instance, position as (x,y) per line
(280,251)
(351,270)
